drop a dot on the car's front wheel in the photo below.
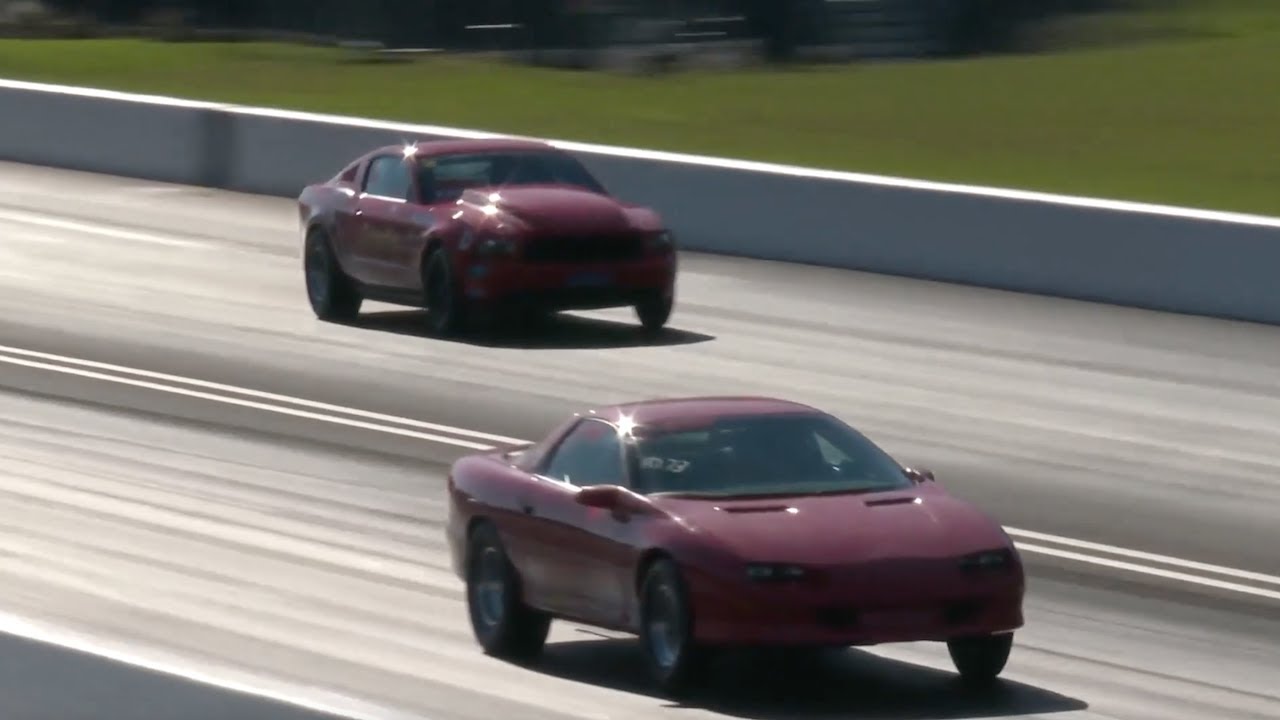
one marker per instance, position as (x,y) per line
(446,307)
(654,310)
(503,625)
(675,661)
(333,296)
(980,659)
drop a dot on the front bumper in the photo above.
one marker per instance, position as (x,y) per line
(744,614)
(568,286)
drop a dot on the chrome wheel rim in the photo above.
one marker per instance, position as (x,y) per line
(665,630)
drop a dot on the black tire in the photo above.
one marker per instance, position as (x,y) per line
(980,660)
(446,308)
(654,310)
(503,625)
(333,295)
(676,663)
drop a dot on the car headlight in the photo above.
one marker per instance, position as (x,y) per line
(987,560)
(772,572)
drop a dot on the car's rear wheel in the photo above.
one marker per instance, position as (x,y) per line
(333,295)
(446,307)
(980,659)
(675,660)
(654,310)
(503,625)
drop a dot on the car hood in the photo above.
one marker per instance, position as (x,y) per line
(841,529)
(556,209)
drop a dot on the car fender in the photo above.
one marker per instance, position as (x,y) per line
(704,564)
(441,237)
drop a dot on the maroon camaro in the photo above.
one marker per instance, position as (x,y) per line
(702,524)
(467,227)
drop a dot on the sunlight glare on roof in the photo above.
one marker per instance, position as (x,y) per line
(625,425)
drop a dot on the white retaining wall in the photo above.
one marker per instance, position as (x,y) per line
(1197,262)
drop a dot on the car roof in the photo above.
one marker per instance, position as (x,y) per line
(705,409)
(447,146)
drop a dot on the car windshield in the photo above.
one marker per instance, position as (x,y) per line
(801,454)
(443,178)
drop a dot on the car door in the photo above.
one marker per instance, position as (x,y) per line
(576,554)
(384,221)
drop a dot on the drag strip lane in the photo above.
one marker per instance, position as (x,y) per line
(1029,541)
(99,556)
(1133,429)
(255,399)
(315,560)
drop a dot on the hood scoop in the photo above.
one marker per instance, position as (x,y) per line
(893,501)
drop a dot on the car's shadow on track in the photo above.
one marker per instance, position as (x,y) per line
(848,683)
(555,332)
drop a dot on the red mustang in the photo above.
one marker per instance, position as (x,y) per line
(464,226)
(713,523)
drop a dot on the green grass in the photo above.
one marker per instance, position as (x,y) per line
(1186,110)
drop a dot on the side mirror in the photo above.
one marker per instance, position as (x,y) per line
(608,497)
(920,475)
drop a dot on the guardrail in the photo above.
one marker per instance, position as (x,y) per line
(1146,256)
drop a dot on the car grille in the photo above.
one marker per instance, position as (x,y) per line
(579,249)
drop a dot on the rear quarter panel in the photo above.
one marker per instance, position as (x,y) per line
(320,206)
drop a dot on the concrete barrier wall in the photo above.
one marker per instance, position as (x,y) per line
(1173,259)
(105,135)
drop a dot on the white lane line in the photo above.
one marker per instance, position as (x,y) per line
(242,682)
(60,363)
(1145,570)
(1140,555)
(247,403)
(94,229)
(232,389)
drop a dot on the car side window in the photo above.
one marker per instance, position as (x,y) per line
(591,454)
(389,177)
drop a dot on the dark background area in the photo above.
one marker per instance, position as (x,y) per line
(780,28)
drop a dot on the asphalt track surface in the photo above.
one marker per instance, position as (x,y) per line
(200,478)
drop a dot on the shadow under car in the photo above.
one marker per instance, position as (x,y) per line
(558,331)
(787,685)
